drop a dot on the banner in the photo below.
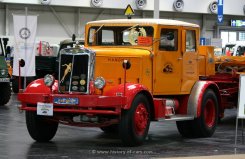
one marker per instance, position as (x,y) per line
(25,28)
(241,100)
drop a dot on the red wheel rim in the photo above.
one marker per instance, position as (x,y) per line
(209,113)
(141,118)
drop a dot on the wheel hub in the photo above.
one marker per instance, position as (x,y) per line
(209,113)
(141,119)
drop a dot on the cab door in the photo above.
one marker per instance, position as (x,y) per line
(168,62)
(190,59)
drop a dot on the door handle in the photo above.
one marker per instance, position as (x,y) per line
(180,58)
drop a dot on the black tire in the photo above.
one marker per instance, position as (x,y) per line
(206,123)
(15,85)
(39,128)
(133,127)
(185,128)
(112,129)
(5,93)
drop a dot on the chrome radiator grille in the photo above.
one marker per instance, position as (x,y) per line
(74,73)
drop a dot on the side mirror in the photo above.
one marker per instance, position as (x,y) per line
(21,62)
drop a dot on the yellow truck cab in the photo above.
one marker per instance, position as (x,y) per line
(156,48)
(132,72)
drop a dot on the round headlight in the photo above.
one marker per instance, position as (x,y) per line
(48,80)
(99,82)
(3,72)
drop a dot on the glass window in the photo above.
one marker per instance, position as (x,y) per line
(120,35)
(190,41)
(232,36)
(91,39)
(107,37)
(242,36)
(224,37)
(169,40)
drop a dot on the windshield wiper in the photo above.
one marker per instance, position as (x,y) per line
(98,30)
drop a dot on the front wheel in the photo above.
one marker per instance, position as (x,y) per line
(5,93)
(135,122)
(39,128)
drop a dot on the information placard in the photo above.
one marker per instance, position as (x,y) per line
(241,98)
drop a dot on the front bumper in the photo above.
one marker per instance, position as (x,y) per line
(88,104)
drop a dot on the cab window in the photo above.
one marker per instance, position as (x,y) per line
(169,40)
(190,41)
(107,37)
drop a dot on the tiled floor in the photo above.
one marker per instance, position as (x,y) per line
(72,142)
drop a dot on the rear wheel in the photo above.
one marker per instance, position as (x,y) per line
(110,129)
(135,122)
(5,93)
(39,128)
(206,123)
(185,128)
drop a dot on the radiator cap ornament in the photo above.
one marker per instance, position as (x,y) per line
(213,7)
(96,3)
(140,4)
(178,5)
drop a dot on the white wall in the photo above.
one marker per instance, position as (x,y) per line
(231,7)
(2,21)
(50,29)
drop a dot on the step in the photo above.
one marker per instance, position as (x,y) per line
(177,118)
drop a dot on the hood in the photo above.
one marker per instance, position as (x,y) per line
(121,52)
(109,65)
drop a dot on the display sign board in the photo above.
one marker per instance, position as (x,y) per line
(241,98)
(129,11)
(220,16)
(237,23)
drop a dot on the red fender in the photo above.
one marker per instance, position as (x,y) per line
(195,98)
(130,92)
(38,86)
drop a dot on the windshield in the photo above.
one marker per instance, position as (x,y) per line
(120,36)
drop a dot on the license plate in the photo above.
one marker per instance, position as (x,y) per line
(4,79)
(45,109)
(70,101)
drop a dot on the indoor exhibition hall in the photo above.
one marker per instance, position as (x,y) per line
(130,79)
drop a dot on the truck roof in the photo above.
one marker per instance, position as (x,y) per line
(145,22)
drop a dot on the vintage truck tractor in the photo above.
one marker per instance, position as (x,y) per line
(134,72)
(5,90)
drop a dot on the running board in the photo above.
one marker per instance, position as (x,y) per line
(177,118)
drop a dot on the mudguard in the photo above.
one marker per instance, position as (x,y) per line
(195,98)
(131,91)
(38,86)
